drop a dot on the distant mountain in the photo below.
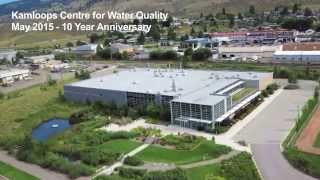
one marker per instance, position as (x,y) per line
(176,7)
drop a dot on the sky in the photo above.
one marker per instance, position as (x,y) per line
(6,1)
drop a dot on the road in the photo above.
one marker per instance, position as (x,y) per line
(269,128)
(34,170)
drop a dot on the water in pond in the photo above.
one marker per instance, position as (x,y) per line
(50,128)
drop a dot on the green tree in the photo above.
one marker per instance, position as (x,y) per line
(141,39)
(240,16)
(155,32)
(252,10)
(316,93)
(308,12)
(285,11)
(224,11)
(188,52)
(171,34)
(94,37)
(292,78)
(168,23)
(69,44)
(201,54)
(185,61)
(231,21)
(295,8)
(192,32)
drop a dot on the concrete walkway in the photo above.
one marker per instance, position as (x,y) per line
(166,166)
(31,169)
(211,161)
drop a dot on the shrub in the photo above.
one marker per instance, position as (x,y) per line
(65,56)
(201,54)
(82,75)
(133,161)
(79,117)
(176,174)
(163,55)
(316,93)
(96,156)
(131,173)
(265,93)
(239,167)
(292,78)
(104,177)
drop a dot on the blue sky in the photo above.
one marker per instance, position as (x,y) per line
(6,1)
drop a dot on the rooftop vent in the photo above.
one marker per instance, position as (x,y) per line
(173,86)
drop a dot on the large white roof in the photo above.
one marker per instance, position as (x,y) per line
(190,85)
(13,72)
(297,53)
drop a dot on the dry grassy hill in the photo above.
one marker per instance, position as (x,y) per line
(182,8)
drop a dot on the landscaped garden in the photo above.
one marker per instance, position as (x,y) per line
(240,167)
(13,173)
(182,150)
(76,152)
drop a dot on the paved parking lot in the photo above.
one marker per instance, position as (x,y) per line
(269,128)
(274,122)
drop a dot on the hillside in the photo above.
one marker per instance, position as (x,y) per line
(176,7)
(182,8)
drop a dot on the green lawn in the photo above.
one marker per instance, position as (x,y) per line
(242,93)
(317,142)
(306,162)
(13,173)
(120,145)
(240,167)
(203,172)
(206,150)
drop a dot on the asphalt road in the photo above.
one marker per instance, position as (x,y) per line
(269,128)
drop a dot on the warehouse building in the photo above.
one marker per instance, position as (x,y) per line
(196,98)
(8,77)
(247,52)
(299,57)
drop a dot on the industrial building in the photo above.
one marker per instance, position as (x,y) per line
(247,52)
(300,57)
(85,50)
(8,77)
(195,98)
(198,43)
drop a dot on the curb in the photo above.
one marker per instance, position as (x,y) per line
(255,163)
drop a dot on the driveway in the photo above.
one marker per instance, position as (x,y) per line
(269,128)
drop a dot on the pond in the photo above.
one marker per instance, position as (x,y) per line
(50,128)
